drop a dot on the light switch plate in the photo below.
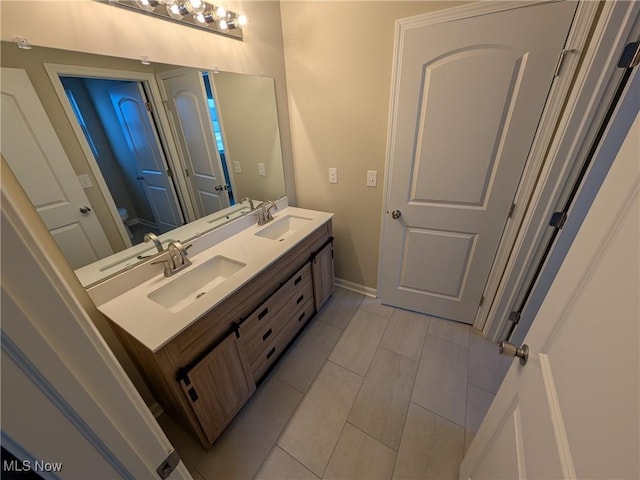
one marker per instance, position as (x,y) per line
(261,170)
(236,167)
(333,175)
(85,181)
(372,178)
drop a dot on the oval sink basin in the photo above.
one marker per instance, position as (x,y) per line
(283,227)
(195,282)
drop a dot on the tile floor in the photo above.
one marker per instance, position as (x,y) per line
(365,392)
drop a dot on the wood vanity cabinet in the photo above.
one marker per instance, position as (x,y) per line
(205,375)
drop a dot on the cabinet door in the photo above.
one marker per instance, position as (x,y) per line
(322,271)
(218,386)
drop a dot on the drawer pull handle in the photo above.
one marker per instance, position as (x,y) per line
(267,335)
(271,352)
(300,298)
(298,280)
(263,313)
(301,316)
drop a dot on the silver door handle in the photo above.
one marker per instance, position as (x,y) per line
(85,209)
(511,350)
(396,214)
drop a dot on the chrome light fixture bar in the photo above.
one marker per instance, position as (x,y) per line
(193,13)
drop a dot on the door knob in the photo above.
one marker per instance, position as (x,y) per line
(85,209)
(219,188)
(139,177)
(511,350)
(396,214)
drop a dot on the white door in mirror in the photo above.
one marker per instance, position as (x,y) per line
(30,144)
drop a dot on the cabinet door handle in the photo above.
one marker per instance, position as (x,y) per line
(298,280)
(267,335)
(263,313)
(300,298)
(271,352)
(301,316)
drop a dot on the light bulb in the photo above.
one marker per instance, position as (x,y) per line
(242,20)
(222,24)
(147,5)
(221,12)
(195,6)
(177,9)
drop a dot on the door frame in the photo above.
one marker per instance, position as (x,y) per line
(162,127)
(69,363)
(508,261)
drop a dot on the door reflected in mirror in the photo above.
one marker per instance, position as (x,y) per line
(157,149)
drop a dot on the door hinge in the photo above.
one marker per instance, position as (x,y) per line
(514,317)
(481,301)
(630,55)
(168,465)
(170,173)
(563,54)
(149,106)
(558,219)
(513,207)
(186,171)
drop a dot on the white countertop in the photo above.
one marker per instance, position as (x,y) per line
(154,325)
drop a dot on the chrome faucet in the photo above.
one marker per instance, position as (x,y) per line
(248,200)
(177,259)
(152,237)
(264,212)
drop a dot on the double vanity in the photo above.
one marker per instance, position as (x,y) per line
(204,333)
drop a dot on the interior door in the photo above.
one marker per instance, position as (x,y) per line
(189,110)
(468,97)
(573,410)
(129,102)
(32,149)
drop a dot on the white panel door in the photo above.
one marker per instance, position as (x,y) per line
(468,97)
(32,149)
(192,122)
(573,411)
(129,103)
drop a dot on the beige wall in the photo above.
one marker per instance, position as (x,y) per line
(338,60)
(248,117)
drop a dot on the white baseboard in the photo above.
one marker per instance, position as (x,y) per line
(356,287)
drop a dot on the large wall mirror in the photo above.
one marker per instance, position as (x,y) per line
(142,149)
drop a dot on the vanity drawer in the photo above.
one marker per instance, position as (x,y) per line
(259,322)
(271,327)
(263,359)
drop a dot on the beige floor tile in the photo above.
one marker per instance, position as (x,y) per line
(451,331)
(306,356)
(487,367)
(441,382)
(478,403)
(340,308)
(313,432)
(405,333)
(188,446)
(279,465)
(165,421)
(431,447)
(196,475)
(375,306)
(359,342)
(381,406)
(241,449)
(358,456)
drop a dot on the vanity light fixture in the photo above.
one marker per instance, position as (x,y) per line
(193,13)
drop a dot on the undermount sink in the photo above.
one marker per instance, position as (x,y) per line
(195,282)
(283,227)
